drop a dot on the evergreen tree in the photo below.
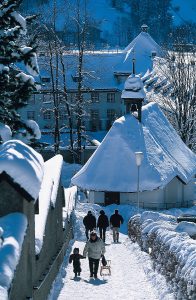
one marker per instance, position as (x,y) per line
(18,65)
(156,14)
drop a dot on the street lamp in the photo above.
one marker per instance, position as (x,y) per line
(138,158)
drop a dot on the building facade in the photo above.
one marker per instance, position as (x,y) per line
(103,77)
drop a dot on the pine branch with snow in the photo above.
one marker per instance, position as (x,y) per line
(18,65)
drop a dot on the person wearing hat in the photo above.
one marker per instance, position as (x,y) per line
(115,221)
(102,224)
(89,222)
(95,248)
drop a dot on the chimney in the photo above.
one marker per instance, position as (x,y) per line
(144,28)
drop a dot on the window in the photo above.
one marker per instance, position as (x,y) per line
(75,78)
(45,79)
(46,98)
(31,115)
(77,97)
(111,114)
(31,100)
(94,114)
(94,97)
(110,97)
(62,114)
(47,114)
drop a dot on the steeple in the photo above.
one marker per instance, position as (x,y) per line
(133,95)
(133,63)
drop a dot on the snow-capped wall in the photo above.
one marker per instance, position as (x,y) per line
(23,164)
(173,253)
(47,197)
(14,226)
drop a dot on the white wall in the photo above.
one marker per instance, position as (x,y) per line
(189,192)
(147,199)
(96,197)
(175,194)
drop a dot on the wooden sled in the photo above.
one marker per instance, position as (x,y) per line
(106,270)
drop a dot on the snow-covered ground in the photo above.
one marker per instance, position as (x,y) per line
(132,276)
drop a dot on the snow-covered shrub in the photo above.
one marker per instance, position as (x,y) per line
(173,253)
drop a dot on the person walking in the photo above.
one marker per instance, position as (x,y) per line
(102,224)
(115,221)
(89,222)
(75,258)
(95,248)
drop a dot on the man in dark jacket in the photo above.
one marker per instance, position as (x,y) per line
(115,221)
(102,224)
(89,222)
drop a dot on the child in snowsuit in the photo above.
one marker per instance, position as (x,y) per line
(75,257)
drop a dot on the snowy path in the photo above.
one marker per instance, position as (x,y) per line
(128,280)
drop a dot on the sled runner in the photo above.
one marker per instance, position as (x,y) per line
(106,269)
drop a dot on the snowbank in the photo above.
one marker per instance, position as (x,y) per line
(174,253)
(14,227)
(47,197)
(70,199)
(23,164)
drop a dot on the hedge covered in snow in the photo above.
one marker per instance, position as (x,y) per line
(173,253)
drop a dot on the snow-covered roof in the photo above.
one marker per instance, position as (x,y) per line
(24,165)
(101,70)
(133,88)
(144,42)
(47,196)
(140,49)
(14,226)
(112,167)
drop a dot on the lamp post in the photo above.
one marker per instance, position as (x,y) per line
(138,158)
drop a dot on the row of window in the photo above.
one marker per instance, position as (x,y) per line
(95,97)
(94,114)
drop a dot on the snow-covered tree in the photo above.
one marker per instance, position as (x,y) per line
(173,86)
(18,65)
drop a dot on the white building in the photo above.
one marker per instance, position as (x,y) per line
(166,172)
(104,74)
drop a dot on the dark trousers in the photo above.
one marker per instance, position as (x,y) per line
(102,233)
(87,232)
(93,266)
(77,267)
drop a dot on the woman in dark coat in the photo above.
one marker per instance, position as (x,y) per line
(102,224)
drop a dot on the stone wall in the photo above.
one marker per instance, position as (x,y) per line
(169,251)
(53,238)
(35,274)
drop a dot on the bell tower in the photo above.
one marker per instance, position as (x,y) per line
(133,93)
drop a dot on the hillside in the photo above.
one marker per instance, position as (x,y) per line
(115,22)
